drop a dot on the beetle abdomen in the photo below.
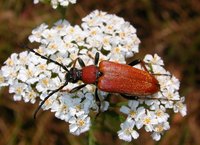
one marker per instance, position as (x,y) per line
(120,78)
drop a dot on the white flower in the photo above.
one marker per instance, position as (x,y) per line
(154,60)
(159,70)
(79,124)
(37,33)
(12,60)
(2,80)
(42,67)
(62,107)
(159,129)
(61,26)
(35,1)
(173,83)
(43,84)
(127,131)
(180,107)
(49,35)
(55,3)
(49,102)
(161,115)
(147,119)
(104,31)
(28,74)
(171,95)
(104,105)
(133,110)
(18,89)
(30,96)
(9,74)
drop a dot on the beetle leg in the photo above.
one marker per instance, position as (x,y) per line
(144,98)
(138,61)
(77,88)
(142,63)
(130,97)
(98,102)
(97,98)
(161,74)
(80,61)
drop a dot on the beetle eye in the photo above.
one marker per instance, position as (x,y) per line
(99,74)
(67,77)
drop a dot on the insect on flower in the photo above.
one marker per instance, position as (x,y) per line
(110,77)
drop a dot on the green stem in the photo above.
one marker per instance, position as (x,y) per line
(91,138)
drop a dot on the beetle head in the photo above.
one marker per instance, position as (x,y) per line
(73,76)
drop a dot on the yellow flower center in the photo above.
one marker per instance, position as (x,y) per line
(159,113)
(29,73)
(42,66)
(159,128)
(19,90)
(59,59)
(31,95)
(128,131)
(90,22)
(39,50)
(49,36)
(10,62)
(117,50)
(93,32)
(78,107)
(105,41)
(169,96)
(81,122)
(47,102)
(53,46)
(122,34)
(59,27)
(132,113)
(71,30)
(1,79)
(64,108)
(180,105)
(45,82)
(110,27)
(147,120)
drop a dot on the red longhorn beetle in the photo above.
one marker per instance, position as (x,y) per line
(109,77)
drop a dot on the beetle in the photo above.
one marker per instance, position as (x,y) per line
(109,76)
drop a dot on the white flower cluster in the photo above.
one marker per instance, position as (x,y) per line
(29,76)
(151,113)
(55,3)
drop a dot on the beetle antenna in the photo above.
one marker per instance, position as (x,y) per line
(43,57)
(46,98)
(96,59)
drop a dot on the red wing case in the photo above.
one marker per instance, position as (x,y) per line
(125,79)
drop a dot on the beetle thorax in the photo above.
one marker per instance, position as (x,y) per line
(90,74)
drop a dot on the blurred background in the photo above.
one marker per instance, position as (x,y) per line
(169,28)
